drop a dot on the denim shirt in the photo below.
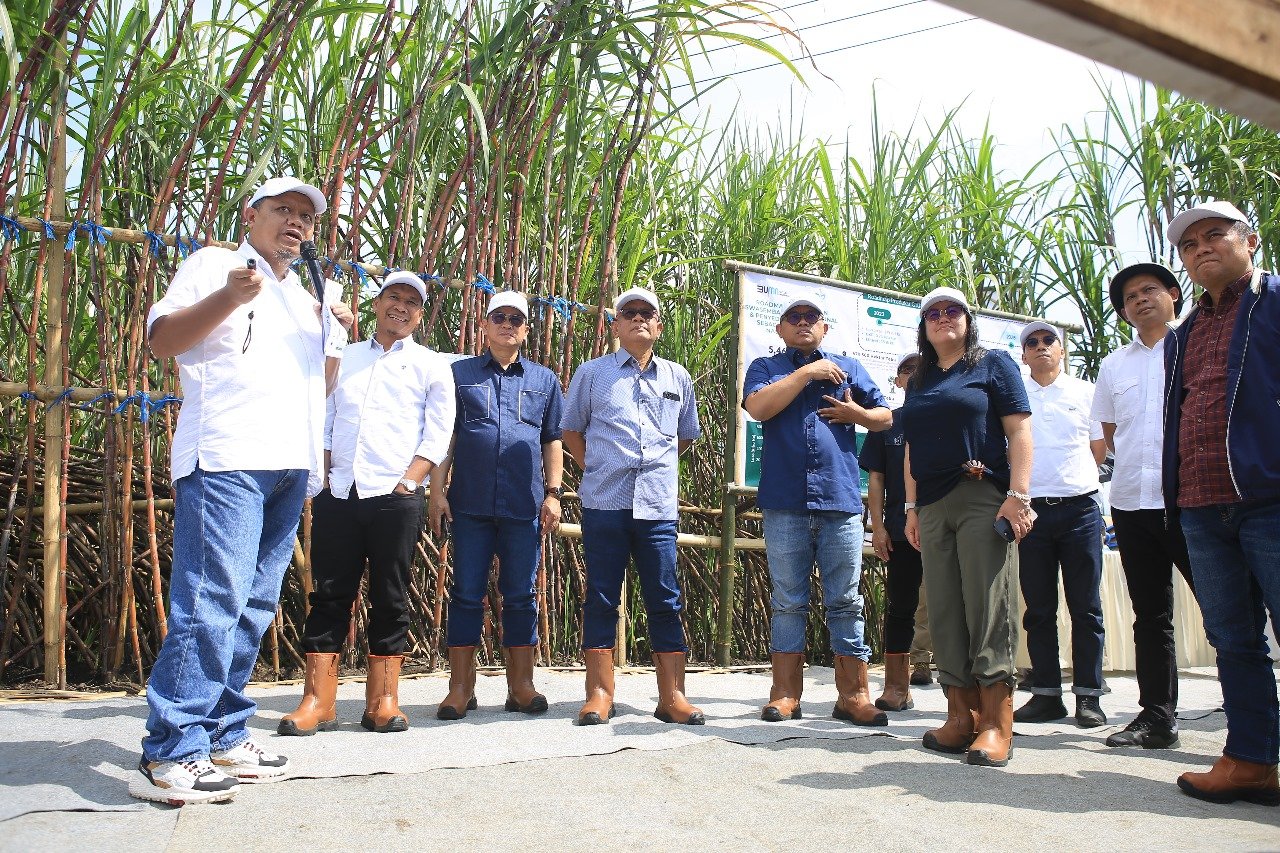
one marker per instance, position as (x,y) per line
(810,463)
(504,418)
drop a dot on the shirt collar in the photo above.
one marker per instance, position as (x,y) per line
(247,252)
(1229,295)
(621,357)
(799,359)
(400,344)
(517,366)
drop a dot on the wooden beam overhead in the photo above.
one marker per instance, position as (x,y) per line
(1224,52)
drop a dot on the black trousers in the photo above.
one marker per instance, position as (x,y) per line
(382,530)
(902,591)
(1149,551)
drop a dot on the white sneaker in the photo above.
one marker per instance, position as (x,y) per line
(180,782)
(249,762)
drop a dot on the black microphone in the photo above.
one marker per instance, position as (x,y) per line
(312,259)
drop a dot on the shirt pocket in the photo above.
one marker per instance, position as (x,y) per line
(475,402)
(533,407)
(668,416)
(1127,396)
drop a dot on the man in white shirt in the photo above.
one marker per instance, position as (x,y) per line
(389,422)
(1067,534)
(246,454)
(1129,402)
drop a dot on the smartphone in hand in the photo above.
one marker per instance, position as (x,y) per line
(1004,528)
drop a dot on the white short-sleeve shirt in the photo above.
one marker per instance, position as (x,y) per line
(1062,463)
(1130,394)
(253,390)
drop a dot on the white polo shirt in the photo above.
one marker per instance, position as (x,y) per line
(1062,465)
(1130,394)
(389,406)
(249,402)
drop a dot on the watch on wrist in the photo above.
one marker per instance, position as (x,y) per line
(411,485)
(908,505)
(558,491)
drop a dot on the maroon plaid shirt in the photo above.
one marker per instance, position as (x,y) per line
(1204,475)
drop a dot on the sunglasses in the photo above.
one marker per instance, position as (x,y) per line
(933,315)
(1047,340)
(500,319)
(794,317)
(632,313)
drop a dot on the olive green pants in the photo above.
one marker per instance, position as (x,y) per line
(971,582)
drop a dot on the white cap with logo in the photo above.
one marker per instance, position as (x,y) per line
(509,299)
(1208,210)
(279,186)
(943,294)
(1036,326)
(802,301)
(647,296)
(405,277)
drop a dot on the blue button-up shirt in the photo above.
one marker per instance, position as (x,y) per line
(504,417)
(633,423)
(809,463)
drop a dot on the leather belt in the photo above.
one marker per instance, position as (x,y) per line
(1056,501)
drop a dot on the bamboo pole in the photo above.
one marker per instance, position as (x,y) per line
(54,627)
(89,508)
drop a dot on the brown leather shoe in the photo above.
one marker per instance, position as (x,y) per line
(382,695)
(955,735)
(994,743)
(318,710)
(598,708)
(672,706)
(521,695)
(462,684)
(921,674)
(1232,779)
(897,684)
(788,684)
(853,702)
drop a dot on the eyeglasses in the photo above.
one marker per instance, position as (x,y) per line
(645,314)
(499,319)
(1048,340)
(908,369)
(794,317)
(933,315)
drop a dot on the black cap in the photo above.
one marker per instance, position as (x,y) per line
(1161,273)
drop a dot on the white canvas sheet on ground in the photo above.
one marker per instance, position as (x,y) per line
(78,756)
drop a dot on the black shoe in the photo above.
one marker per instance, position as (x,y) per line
(1041,709)
(1089,712)
(1146,734)
(921,675)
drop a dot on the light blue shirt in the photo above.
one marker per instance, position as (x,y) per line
(633,423)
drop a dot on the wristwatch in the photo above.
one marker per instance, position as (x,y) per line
(558,491)
(410,485)
(906,505)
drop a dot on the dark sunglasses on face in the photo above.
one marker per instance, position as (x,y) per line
(1032,341)
(933,315)
(645,314)
(499,319)
(794,317)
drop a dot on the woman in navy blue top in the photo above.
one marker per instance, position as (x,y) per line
(967,424)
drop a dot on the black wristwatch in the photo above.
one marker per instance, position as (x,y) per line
(558,491)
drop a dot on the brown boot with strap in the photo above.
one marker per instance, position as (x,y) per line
(788,684)
(673,707)
(955,735)
(897,684)
(994,743)
(382,695)
(853,701)
(521,694)
(318,710)
(462,684)
(598,708)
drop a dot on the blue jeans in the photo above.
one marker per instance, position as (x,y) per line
(1235,559)
(517,543)
(794,539)
(233,535)
(611,537)
(1066,534)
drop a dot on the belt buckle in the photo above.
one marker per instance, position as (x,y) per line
(973,469)
(1054,501)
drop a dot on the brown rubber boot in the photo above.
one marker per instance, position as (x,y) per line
(897,684)
(853,702)
(1231,779)
(672,706)
(521,695)
(462,684)
(599,705)
(318,710)
(788,684)
(994,743)
(382,695)
(955,735)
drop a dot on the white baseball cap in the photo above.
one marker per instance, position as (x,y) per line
(636,293)
(796,303)
(1038,326)
(943,294)
(904,358)
(509,299)
(279,186)
(1208,210)
(405,277)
